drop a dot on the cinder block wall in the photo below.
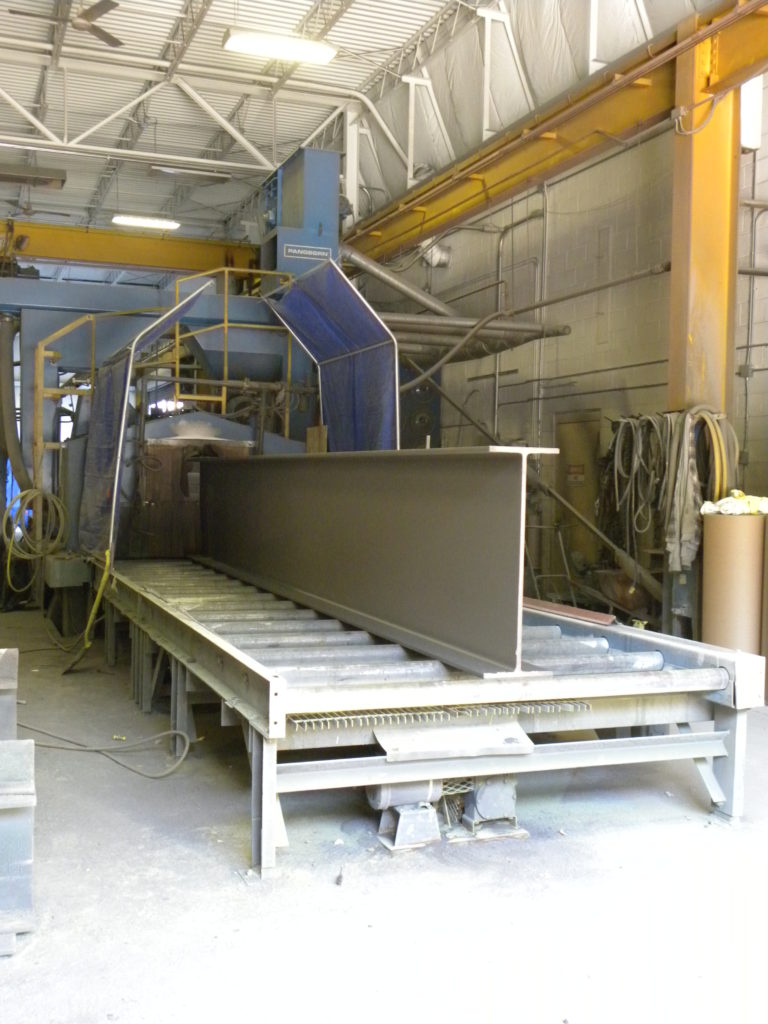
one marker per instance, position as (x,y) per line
(603,222)
(754,428)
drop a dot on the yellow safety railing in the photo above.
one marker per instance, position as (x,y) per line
(42,393)
(254,280)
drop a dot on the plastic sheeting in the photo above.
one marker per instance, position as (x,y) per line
(551,49)
(101,455)
(355,354)
(104,453)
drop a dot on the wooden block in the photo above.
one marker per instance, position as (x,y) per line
(317,440)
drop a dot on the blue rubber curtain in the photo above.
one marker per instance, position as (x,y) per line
(355,354)
(99,506)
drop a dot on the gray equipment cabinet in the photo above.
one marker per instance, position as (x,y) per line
(17,804)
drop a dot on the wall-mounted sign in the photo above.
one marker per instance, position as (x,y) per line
(306,252)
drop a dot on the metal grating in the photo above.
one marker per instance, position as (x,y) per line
(425,716)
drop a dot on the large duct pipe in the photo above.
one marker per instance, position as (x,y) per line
(472,350)
(8,327)
(404,287)
(425,324)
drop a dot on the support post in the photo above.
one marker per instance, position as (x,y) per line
(110,634)
(147,673)
(264,806)
(729,771)
(351,159)
(704,232)
(185,716)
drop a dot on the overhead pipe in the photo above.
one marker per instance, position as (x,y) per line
(480,325)
(431,348)
(443,310)
(425,324)
(411,291)
(501,287)
(8,328)
(637,275)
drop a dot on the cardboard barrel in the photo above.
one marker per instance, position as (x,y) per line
(732,581)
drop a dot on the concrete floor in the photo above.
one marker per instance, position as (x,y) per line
(628,903)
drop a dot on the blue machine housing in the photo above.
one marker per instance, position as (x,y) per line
(300,212)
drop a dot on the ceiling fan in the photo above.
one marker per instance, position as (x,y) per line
(83,20)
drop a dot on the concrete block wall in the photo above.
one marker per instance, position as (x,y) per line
(602,223)
(751,413)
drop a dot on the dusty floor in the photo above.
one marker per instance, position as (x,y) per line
(628,902)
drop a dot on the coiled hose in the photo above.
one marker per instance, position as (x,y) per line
(35,524)
(662,467)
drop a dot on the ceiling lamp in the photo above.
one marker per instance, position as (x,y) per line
(296,49)
(126,220)
(191,172)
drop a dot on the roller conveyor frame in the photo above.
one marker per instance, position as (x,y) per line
(278,677)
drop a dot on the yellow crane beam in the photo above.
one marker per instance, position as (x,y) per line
(604,113)
(64,244)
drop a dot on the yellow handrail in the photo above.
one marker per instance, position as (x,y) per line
(256,276)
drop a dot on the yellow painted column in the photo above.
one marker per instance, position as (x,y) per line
(704,234)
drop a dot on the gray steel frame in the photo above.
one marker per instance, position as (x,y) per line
(425,549)
(17,810)
(709,687)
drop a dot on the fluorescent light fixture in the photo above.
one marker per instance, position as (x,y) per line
(752,113)
(127,220)
(295,49)
(191,172)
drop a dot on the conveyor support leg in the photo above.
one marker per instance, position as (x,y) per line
(148,652)
(264,806)
(110,638)
(729,771)
(182,713)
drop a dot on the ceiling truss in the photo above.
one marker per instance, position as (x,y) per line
(397,130)
(176,46)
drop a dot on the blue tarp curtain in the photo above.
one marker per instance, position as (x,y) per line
(356,357)
(104,450)
(101,455)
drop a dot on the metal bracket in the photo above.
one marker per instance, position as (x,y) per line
(409,826)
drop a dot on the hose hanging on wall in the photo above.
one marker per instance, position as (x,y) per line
(8,327)
(703,459)
(661,467)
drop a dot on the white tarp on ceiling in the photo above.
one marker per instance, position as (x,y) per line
(549,50)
